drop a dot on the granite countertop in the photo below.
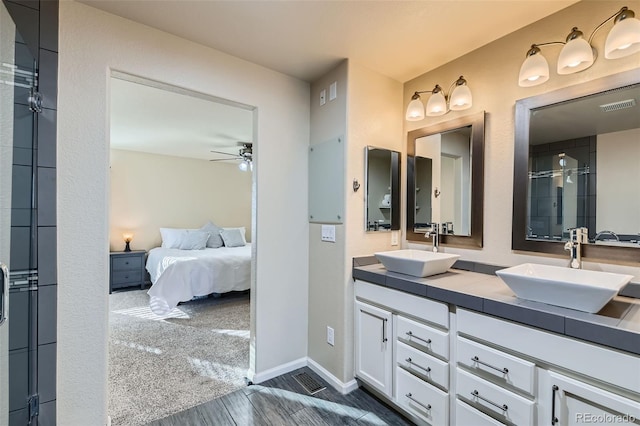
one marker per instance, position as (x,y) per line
(617,325)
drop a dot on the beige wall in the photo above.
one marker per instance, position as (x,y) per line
(92,43)
(151,191)
(492,74)
(367,111)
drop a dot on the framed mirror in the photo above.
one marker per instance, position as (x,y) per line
(382,189)
(577,164)
(445,181)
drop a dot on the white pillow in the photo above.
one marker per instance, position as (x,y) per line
(242,231)
(233,237)
(172,237)
(214,240)
(194,240)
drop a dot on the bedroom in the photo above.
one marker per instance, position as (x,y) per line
(165,187)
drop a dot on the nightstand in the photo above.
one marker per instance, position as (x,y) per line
(127,269)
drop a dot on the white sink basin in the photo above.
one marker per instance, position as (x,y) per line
(418,263)
(578,289)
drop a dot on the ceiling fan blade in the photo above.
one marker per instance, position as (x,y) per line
(225,153)
(224,159)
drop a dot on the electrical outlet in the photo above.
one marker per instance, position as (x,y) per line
(394,238)
(330,336)
(323,97)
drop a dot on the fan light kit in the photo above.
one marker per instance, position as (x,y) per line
(245,155)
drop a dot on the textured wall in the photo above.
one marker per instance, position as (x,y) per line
(92,43)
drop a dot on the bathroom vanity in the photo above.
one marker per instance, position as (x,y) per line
(459,348)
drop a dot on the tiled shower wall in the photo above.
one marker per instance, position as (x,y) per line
(37,22)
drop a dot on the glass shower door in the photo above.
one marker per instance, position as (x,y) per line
(18,231)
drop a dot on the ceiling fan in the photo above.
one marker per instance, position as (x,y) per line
(245,155)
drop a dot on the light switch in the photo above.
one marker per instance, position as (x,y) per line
(323,97)
(333,90)
(329,233)
(394,238)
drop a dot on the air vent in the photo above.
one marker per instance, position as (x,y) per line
(309,383)
(615,106)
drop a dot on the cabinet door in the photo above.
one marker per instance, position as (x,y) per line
(373,346)
(566,401)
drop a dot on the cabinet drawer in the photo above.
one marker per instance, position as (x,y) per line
(503,403)
(418,362)
(123,263)
(126,277)
(497,366)
(423,337)
(421,399)
(469,416)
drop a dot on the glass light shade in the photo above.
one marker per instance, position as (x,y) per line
(437,105)
(534,71)
(127,237)
(575,56)
(243,166)
(460,98)
(623,39)
(415,110)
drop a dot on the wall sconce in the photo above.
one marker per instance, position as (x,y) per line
(460,98)
(127,239)
(578,54)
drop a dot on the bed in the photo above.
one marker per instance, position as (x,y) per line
(180,275)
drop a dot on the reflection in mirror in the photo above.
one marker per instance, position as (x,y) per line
(578,157)
(443,165)
(445,181)
(382,196)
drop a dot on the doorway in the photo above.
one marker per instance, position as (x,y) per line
(179,166)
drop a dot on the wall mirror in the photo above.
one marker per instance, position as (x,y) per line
(577,164)
(445,181)
(382,189)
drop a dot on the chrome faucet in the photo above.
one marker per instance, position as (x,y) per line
(577,237)
(606,233)
(435,237)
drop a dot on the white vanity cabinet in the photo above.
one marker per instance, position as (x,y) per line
(374,346)
(566,401)
(410,367)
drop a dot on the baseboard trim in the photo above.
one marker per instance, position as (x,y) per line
(339,385)
(278,370)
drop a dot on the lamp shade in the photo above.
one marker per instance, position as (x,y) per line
(460,98)
(534,71)
(415,110)
(437,105)
(623,39)
(575,56)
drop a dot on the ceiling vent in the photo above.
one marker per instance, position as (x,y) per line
(615,106)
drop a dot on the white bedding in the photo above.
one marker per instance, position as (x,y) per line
(179,275)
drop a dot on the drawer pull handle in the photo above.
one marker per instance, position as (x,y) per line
(410,334)
(554,419)
(502,407)
(502,370)
(411,363)
(426,407)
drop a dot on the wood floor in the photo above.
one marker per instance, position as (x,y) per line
(283,401)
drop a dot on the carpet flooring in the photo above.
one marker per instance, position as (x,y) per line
(162,365)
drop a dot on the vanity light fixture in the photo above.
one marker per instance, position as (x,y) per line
(578,54)
(460,98)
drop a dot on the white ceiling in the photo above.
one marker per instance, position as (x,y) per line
(304,39)
(177,123)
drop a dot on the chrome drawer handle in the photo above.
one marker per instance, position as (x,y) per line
(411,363)
(410,334)
(426,407)
(502,407)
(502,370)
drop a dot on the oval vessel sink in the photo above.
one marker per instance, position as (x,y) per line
(579,289)
(417,263)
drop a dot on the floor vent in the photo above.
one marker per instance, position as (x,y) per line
(310,384)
